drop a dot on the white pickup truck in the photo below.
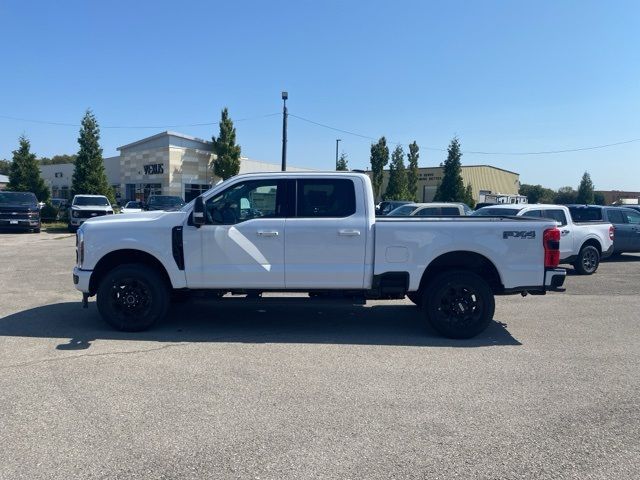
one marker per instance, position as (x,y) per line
(581,244)
(316,233)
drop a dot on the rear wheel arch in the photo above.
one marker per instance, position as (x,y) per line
(594,242)
(464,260)
(125,257)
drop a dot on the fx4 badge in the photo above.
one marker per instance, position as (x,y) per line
(523,234)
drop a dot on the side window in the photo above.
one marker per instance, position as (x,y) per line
(451,211)
(326,198)
(429,212)
(245,201)
(632,217)
(557,215)
(615,216)
(533,213)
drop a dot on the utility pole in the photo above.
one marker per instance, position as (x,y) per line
(285,96)
(338,140)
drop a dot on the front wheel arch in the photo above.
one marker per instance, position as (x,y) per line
(122,257)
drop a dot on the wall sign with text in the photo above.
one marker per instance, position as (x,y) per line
(153,169)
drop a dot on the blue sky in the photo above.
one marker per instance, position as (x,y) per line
(504,76)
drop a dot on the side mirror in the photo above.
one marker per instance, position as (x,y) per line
(198,212)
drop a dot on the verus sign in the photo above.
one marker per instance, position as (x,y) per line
(522,234)
(153,169)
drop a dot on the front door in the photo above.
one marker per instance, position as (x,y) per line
(241,244)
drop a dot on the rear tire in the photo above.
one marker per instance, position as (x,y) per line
(588,260)
(459,304)
(133,297)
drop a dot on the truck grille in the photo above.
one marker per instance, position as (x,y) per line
(90,213)
(8,215)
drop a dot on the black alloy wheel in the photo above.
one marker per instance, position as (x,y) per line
(132,297)
(459,304)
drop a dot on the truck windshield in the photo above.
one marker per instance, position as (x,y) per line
(165,201)
(84,201)
(496,212)
(403,211)
(18,198)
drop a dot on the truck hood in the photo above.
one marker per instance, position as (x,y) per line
(106,208)
(138,219)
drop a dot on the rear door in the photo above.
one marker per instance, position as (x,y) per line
(633,219)
(325,239)
(623,231)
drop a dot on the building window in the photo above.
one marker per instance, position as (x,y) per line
(193,190)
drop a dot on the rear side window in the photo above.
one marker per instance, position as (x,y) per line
(429,212)
(632,217)
(586,214)
(326,198)
(557,215)
(451,211)
(615,216)
(532,213)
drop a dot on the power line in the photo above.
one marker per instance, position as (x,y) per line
(474,152)
(62,124)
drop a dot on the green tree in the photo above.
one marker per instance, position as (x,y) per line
(58,159)
(566,195)
(412,172)
(5,166)
(598,198)
(343,163)
(89,176)
(397,186)
(468,196)
(227,162)
(24,174)
(451,189)
(585,190)
(537,193)
(379,158)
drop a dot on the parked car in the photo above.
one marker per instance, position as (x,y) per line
(581,244)
(164,202)
(443,209)
(385,207)
(84,207)
(19,211)
(326,238)
(132,207)
(626,222)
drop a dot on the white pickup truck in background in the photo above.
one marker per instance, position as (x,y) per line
(316,233)
(581,244)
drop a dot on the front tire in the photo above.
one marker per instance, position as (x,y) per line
(588,260)
(415,297)
(133,297)
(459,304)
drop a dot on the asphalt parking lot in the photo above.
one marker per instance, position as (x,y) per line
(296,389)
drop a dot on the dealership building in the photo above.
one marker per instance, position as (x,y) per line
(168,163)
(484,180)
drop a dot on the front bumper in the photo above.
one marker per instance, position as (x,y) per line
(81,279)
(20,224)
(554,279)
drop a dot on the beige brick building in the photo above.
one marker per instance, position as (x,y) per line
(484,179)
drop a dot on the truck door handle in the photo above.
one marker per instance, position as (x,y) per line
(268,233)
(349,233)
(564,232)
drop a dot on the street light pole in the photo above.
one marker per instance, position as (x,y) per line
(338,140)
(285,96)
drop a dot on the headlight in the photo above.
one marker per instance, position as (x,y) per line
(75,214)
(80,247)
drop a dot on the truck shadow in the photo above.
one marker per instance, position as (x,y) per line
(243,321)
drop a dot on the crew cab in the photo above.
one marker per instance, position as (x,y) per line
(582,244)
(316,233)
(84,207)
